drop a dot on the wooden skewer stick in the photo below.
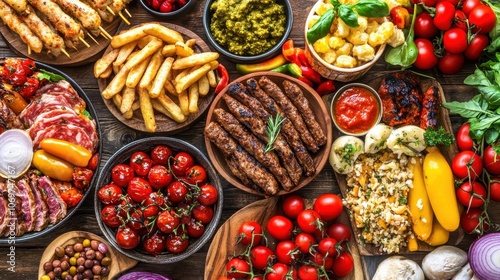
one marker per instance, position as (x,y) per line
(124,18)
(92,37)
(65,52)
(83,41)
(128,13)
(29,49)
(110,11)
(105,33)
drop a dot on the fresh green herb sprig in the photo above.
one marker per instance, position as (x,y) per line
(348,13)
(434,137)
(273,129)
(49,76)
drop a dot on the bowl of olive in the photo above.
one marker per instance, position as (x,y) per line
(255,35)
(81,255)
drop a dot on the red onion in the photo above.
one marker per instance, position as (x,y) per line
(16,152)
(484,256)
(143,276)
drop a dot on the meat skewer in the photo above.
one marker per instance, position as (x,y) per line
(98,6)
(14,22)
(254,147)
(233,166)
(117,6)
(88,17)
(253,170)
(20,6)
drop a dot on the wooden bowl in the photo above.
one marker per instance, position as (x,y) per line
(146,145)
(119,262)
(224,244)
(319,109)
(165,125)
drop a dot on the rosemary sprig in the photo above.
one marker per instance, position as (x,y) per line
(273,130)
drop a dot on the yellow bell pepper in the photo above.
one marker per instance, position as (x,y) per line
(439,235)
(439,184)
(418,202)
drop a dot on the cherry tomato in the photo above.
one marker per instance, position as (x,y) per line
(307,272)
(467,164)
(329,206)
(260,256)
(453,2)
(424,26)
(471,195)
(470,219)
(208,195)
(308,220)
(127,238)
(339,231)
(482,18)
(176,244)
(139,189)
(343,264)
(122,174)
(455,40)
(72,196)
(320,259)
(154,244)
(495,189)
(155,198)
(279,272)
(166,7)
(150,212)
(327,246)
(286,252)
(93,162)
(236,268)
(196,175)
(110,194)
(469,5)
(160,155)
(451,63)
(280,227)
(177,191)
(181,164)
(109,216)
(195,228)
(167,221)
(476,46)
(135,221)
(428,3)
(247,229)
(203,213)
(159,177)
(82,177)
(304,241)
(460,20)
(400,17)
(292,205)
(426,58)
(464,141)
(445,12)
(491,160)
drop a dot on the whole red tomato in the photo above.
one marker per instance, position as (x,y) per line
(343,265)
(460,20)
(181,164)
(139,189)
(154,244)
(339,231)
(280,227)
(159,176)
(304,241)
(279,272)
(127,238)
(491,160)
(464,141)
(471,195)
(428,3)
(203,213)
(451,63)
(424,26)
(176,244)
(495,189)
(469,5)
(208,195)
(307,272)
(445,12)
(249,229)
(323,260)
(327,246)
(260,256)
(150,211)
(236,268)
(177,191)
(329,206)
(160,155)
(455,40)
(467,164)
(196,175)
(141,163)
(285,252)
(309,220)
(482,18)
(426,58)
(167,221)
(110,194)
(122,174)
(476,46)
(109,216)
(195,228)
(470,219)
(292,205)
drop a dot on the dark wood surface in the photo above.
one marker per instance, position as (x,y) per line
(115,135)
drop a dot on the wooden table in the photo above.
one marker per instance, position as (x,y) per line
(115,135)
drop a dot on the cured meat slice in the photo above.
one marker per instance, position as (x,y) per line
(61,86)
(45,103)
(57,207)
(28,205)
(42,210)
(68,132)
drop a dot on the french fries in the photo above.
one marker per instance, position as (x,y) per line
(152,68)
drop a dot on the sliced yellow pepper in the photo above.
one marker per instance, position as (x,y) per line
(418,202)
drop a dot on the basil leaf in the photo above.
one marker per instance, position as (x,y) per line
(52,77)
(403,55)
(484,123)
(347,15)
(491,94)
(321,28)
(371,8)
(477,79)
(468,109)
(491,135)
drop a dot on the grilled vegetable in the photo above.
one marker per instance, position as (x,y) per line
(53,166)
(72,153)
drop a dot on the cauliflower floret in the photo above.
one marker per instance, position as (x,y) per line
(342,30)
(336,42)
(330,57)
(394,3)
(345,49)
(357,37)
(323,7)
(383,33)
(312,21)
(321,45)
(397,39)
(363,52)
(345,61)
(372,26)
(363,23)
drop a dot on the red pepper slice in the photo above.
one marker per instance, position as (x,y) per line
(294,55)
(325,87)
(223,77)
(310,74)
(305,80)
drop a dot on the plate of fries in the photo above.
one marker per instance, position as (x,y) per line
(157,77)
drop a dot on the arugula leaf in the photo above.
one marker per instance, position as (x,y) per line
(491,94)
(477,79)
(468,109)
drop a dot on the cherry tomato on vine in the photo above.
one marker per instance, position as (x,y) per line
(110,194)
(469,5)
(307,272)
(181,163)
(177,191)
(426,58)
(455,40)
(292,205)
(445,12)
(308,220)
(453,2)
(109,216)
(159,177)
(167,221)
(424,26)
(470,219)
(279,272)
(304,241)
(139,189)
(495,189)
(460,20)
(328,206)
(203,213)
(491,160)
(141,163)
(160,155)
(122,174)
(327,246)
(196,175)
(260,256)
(176,244)
(286,252)
(236,268)
(339,231)
(472,195)
(343,265)
(247,229)
(476,46)
(280,227)
(127,238)
(451,63)
(320,259)
(483,18)
(154,244)
(464,141)
(467,163)
(208,195)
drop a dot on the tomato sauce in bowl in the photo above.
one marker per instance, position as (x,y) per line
(356,108)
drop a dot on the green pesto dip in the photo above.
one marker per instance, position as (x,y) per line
(247,27)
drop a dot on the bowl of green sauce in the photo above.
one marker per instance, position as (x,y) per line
(247,31)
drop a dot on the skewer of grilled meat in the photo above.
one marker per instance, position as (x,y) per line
(20,6)
(298,99)
(291,112)
(88,17)
(253,146)
(287,128)
(51,40)
(62,22)
(101,9)
(14,22)
(252,169)
(245,116)
(430,108)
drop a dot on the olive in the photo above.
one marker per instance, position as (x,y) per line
(94,244)
(80,269)
(78,247)
(87,273)
(68,277)
(64,258)
(97,277)
(64,274)
(51,275)
(96,262)
(106,261)
(88,263)
(102,248)
(99,255)
(45,277)
(47,267)
(69,250)
(80,261)
(78,277)
(86,243)
(90,254)
(57,271)
(59,251)
(76,255)
(104,271)
(72,270)
(64,265)
(97,269)
(72,260)
(56,263)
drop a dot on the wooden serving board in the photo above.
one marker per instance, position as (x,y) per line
(224,244)
(449,153)
(119,262)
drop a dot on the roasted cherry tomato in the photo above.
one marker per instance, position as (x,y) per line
(159,176)
(195,228)
(208,195)
(72,197)
(109,215)
(160,155)
(167,221)
(127,238)
(176,244)
(154,244)
(82,177)
(196,175)
(177,191)
(203,213)
(141,163)
(110,194)
(181,164)
(139,189)
(122,174)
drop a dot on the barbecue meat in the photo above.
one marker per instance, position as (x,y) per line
(28,204)
(8,119)
(430,108)
(42,210)
(57,207)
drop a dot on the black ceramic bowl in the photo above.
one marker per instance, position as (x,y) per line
(146,145)
(207,18)
(171,15)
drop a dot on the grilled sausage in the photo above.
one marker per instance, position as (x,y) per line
(14,22)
